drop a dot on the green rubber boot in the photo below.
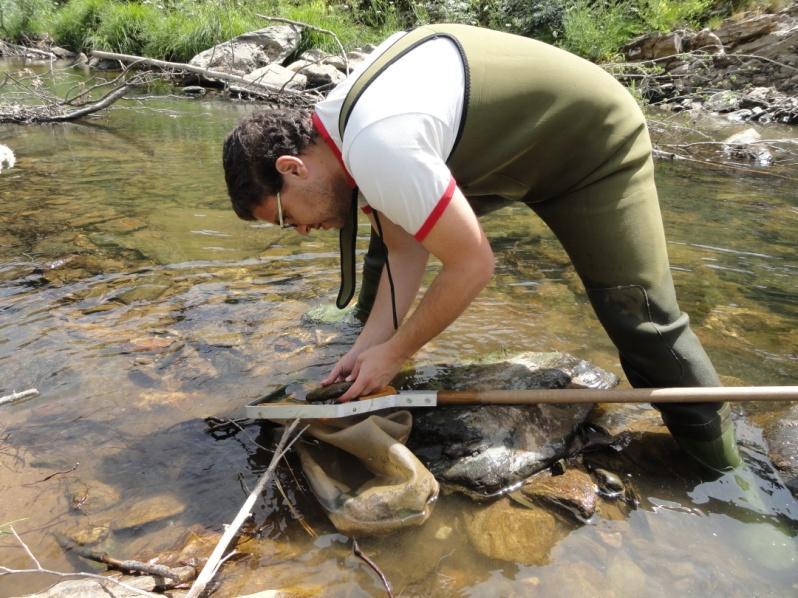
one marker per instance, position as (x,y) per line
(712,444)
(719,455)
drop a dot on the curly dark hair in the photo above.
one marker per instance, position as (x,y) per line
(251,149)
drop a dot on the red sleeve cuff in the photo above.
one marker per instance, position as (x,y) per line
(437,211)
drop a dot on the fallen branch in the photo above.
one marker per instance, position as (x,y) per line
(312,28)
(103,102)
(658,153)
(295,512)
(15,397)
(17,113)
(250,86)
(9,49)
(39,569)
(216,559)
(361,555)
(179,575)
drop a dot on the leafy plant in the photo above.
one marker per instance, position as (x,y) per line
(124,27)
(665,15)
(596,30)
(20,19)
(75,22)
(542,19)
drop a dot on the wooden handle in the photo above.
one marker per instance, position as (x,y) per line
(631,395)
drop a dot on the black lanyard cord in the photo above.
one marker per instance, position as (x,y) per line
(387,269)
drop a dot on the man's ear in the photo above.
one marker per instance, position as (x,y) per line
(291,165)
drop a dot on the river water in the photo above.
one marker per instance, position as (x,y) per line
(138,305)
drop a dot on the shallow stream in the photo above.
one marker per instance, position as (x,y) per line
(138,305)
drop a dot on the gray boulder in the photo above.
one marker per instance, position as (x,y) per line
(250,51)
(353,59)
(723,101)
(482,450)
(274,75)
(746,145)
(315,55)
(318,74)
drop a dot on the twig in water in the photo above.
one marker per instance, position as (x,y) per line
(216,558)
(178,575)
(295,512)
(19,396)
(52,475)
(361,555)
(39,569)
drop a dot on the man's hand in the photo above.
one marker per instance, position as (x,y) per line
(373,369)
(343,367)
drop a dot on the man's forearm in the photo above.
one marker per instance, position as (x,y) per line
(450,293)
(407,269)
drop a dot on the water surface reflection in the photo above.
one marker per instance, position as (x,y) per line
(138,305)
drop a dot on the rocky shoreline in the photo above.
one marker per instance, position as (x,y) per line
(746,69)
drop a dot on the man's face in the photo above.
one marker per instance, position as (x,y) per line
(308,202)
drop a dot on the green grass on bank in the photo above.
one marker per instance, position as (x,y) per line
(179,29)
(173,29)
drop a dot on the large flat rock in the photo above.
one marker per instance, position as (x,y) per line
(482,450)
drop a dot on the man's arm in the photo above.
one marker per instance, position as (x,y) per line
(408,259)
(467,260)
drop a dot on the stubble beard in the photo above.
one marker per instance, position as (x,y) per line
(337,200)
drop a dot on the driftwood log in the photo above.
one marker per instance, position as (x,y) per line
(255,88)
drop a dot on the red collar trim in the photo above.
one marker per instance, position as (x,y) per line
(322,130)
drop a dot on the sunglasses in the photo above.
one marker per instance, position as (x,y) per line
(280,219)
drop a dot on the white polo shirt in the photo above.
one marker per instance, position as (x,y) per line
(401,132)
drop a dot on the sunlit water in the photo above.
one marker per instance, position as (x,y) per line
(138,305)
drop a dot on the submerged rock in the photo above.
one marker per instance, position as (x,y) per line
(150,510)
(92,496)
(782,438)
(482,450)
(90,534)
(509,533)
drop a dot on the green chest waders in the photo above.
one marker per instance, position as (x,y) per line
(549,129)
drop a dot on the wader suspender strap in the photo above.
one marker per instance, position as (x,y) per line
(348,233)
(400,47)
(347,240)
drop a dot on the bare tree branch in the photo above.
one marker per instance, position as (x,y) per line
(214,561)
(39,569)
(263,88)
(312,28)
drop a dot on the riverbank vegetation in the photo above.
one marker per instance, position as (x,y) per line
(179,29)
